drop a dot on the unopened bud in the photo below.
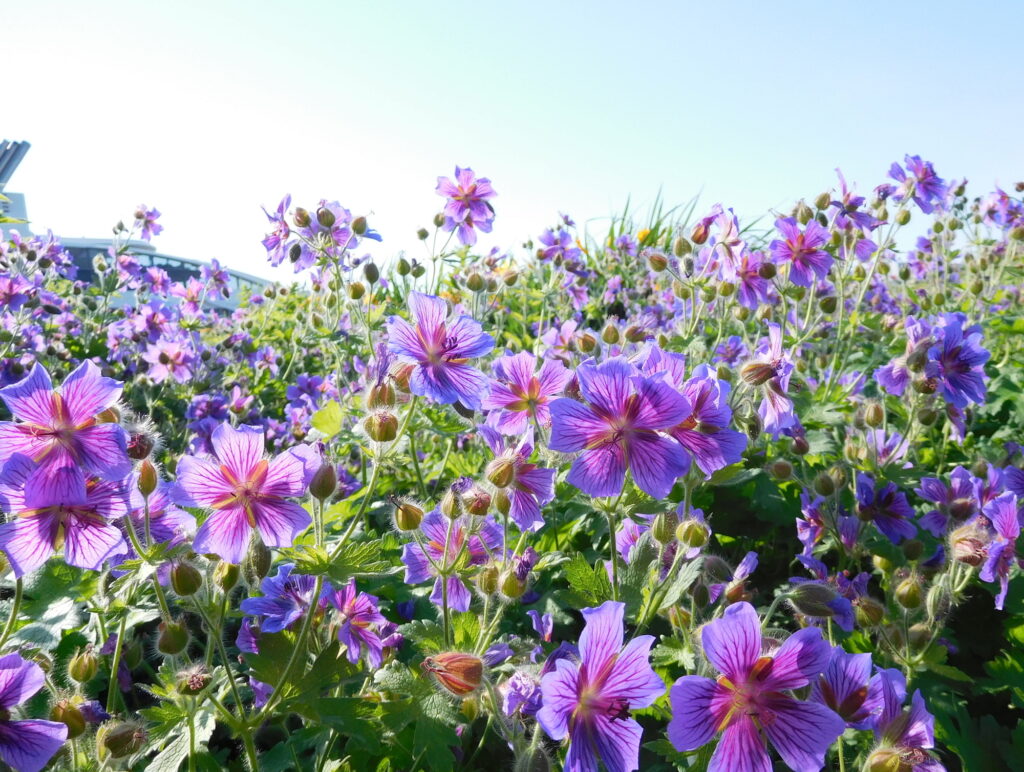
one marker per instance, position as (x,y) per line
(450,505)
(912,549)
(635,333)
(501,472)
(487,580)
(700,233)
(381,426)
(301,218)
(903,217)
(927,416)
(225,575)
(324,481)
(356,290)
(681,246)
(813,599)
(67,713)
(925,385)
(885,760)
(781,469)
(610,334)
(800,446)
(692,533)
(828,304)
(512,586)
(657,262)
(823,200)
(148,478)
(824,485)
(587,342)
(119,740)
(804,214)
(908,592)
(257,560)
(476,501)
(84,665)
(459,673)
(874,414)
(172,638)
(185,579)
(475,282)
(1017,233)
(663,530)
(325,217)
(869,612)
(757,373)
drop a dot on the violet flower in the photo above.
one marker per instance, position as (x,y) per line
(618,429)
(705,433)
(467,207)
(246,491)
(802,251)
(66,426)
(56,506)
(887,507)
(749,701)
(902,735)
(843,688)
(527,486)
(1004,514)
(589,701)
(957,361)
(25,746)
(518,395)
(286,599)
(439,348)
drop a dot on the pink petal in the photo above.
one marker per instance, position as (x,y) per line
(202,482)
(238,449)
(226,533)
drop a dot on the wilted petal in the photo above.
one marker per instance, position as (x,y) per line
(800,731)
(225,533)
(733,643)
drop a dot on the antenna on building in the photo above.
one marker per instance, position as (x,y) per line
(11,155)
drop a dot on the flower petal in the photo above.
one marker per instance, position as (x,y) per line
(656,463)
(102,450)
(800,731)
(609,385)
(694,722)
(31,398)
(27,746)
(560,689)
(801,657)
(19,680)
(741,749)
(574,425)
(600,471)
(88,542)
(28,542)
(279,521)
(632,676)
(225,533)
(86,393)
(617,742)
(601,638)
(238,449)
(733,643)
(202,482)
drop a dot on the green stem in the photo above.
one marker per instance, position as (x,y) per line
(613,554)
(12,618)
(114,689)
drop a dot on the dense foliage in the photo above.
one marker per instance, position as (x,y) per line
(681,495)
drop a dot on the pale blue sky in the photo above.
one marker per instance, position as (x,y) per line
(208,110)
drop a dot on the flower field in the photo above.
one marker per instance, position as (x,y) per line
(686,493)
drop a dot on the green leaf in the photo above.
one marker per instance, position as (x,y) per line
(684,579)
(590,583)
(328,419)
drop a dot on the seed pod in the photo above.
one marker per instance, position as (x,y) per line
(663,530)
(84,665)
(459,673)
(903,217)
(67,713)
(172,638)
(824,485)
(193,680)
(908,592)
(120,739)
(185,579)
(418,270)
(781,469)
(874,414)
(402,268)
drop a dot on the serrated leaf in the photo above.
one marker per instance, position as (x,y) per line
(589,582)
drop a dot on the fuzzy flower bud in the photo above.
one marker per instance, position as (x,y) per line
(408,516)
(67,713)
(172,638)
(84,665)
(459,673)
(148,478)
(381,426)
(813,599)
(185,579)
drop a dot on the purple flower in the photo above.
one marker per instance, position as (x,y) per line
(887,507)
(843,688)
(170,358)
(957,361)
(1004,514)
(904,735)
(63,427)
(25,746)
(590,701)
(277,241)
(468,537)
(802,251)
(439,348)
(467,207)
(359,619)
(558,246)
(528,486)
(895,376)
(618,429)
(51,506)
(521,694)
(168,524)
(919,182)
(956,500)
(749,701)
(518,395)
(146,222)
(246,492)
(543,624)
(705,433)
(735,589)
(286,599)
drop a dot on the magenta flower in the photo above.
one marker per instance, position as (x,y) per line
(705,434)
(557,246)
(749,703)
(53,507)
(62,427)
(469,539)
(519,395)
(439,349)
(286,598)
(528,486)
(619,428)
(25,746)
(170,358)
(358,624)
(919,182)
(589,701)
(802,251)
(843,687)
(246,491)
(467,206)
(146,222)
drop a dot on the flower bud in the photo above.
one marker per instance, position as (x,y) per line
(476,501)
(681,247)
(487,579)
(927,416)
(908,592)
(356,290)
(693,534)
(800,446)
(84,665)
(459,673)
(912,549)
(741,313)
(828,304)
(823,200)
(610,334)
(257,560)
(475,282)
(700,233)
(185,579)
(359,228)
(883,564)
(225,575)
(874,414)
(67,713)
(502,502)
(781,469)
(301,218)
(451,504)
(885,760)
(804,214)
(707,294)
(824,485)
(726,288)
(657,262)
(968,546)
(925,385)
(371,272)
(408,516)
(172,638)
(501,472)
(512,586)
(324,482)
(869,612)
(381,426)
(148,478)
(119,740)
(663,530)
(680,290)
(326,217)
(635,333)
(587,342)
(1017,233)
(812,599)
(757,373)
(754,426)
